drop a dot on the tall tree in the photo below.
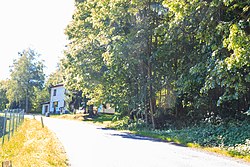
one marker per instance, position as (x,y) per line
(26,75)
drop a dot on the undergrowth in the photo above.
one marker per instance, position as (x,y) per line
(231,138)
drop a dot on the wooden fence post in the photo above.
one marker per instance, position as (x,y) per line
(4,126)
(7,164)
(9,125)
(13,122)
(19,117)
(42,122)
(23,116)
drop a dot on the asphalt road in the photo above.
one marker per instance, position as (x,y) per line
(88,145)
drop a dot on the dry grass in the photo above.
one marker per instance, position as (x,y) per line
(79,117)
(34,146)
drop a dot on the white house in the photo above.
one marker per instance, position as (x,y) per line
(57,100)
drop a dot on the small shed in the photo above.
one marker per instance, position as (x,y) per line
(45,107)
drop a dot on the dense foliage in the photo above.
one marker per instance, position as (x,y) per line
(162,59)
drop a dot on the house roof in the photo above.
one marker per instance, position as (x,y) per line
(58,85)
(47,102)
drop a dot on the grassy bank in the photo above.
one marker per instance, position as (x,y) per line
(33,145)
(207,139)
(230,139)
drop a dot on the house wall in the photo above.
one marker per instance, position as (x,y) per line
(60,98)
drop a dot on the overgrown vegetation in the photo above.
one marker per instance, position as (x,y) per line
(33,145)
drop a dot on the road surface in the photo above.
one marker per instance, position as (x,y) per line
(88,145)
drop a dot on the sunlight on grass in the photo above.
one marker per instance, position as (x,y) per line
(227,153)
(101,119)
(79,117)
(193,145)
(33,145)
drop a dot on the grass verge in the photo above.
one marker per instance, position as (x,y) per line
(181,139)
(33,145)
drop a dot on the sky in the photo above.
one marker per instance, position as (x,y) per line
(35,24)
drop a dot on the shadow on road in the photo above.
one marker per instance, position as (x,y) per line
(139,137)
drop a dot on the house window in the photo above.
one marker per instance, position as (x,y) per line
(54,93)
(55,104)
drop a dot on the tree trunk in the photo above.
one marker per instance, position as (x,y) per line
(151,94)
(145,100)
(160,99)
(91,111)
(26,102)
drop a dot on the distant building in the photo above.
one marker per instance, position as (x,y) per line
(57,103)
(107,109)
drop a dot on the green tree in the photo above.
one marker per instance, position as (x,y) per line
(26,76)
(40,96)
(3,98)
(55,77)
(209,44)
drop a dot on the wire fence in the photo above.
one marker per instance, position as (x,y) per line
(9,121)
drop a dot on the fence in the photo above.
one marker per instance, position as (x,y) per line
(9,121)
